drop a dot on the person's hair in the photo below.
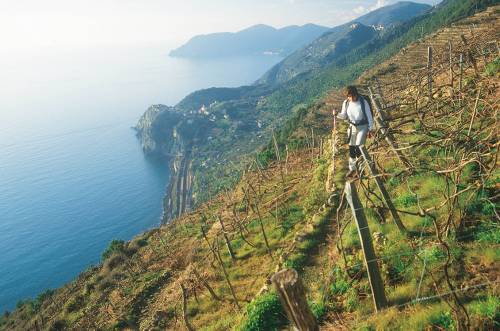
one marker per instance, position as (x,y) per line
(351,91)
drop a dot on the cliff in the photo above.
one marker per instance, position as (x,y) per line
(167,133)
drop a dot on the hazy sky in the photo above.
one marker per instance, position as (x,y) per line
(40,24)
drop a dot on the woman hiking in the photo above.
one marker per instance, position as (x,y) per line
(356,110)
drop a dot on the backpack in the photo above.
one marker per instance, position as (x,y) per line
(364,121)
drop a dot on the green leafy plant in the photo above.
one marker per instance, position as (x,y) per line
(406,200)
(318,309)
(443,320)
(264,313)
(340,284)
(493,67)
(488,232)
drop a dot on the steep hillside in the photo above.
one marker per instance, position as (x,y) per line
(210,268)
(257,39)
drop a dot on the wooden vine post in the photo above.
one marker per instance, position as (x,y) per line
(381,187)
(460,79)
(429,70)
(381,123)
(450,50)
(226,239)
(188,325)
(293,298)
(376,284)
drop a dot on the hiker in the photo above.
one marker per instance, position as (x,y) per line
(356,110)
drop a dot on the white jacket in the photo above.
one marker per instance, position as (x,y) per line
(355,113)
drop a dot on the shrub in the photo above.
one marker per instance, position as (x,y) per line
(406,200)
(58,325)
(394,181)
(88,288)
(135,245)
(20,304)
(105,284)
(352,300)
(265,157)
(39,300)
(115,246)
(443,320)
(74,304)
(480,204)
(488,309)
(296,261)
(488,232)
(493,67)
(264,314)
(433,254)
(340,284)
(318,309)
(4,317)
(400,256)
(113,261)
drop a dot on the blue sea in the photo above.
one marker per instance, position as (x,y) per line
(72,173)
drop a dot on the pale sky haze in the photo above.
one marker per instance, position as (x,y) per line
(34,25)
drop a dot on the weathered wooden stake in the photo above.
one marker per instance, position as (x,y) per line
(293,298)
(451,68)
(205,283)
(381,187)
(474,111)
(376,284)
(226,276)
(312,147)
(380,93)
(380,121)
(460,79)
(226,239)
(276,148)
(184,309)
(286,160)
(469,55)
(429,70)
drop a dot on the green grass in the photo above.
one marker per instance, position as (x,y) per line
(487,309)
(488,232)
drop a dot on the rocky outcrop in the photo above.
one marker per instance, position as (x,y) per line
(155,129)
(170,134)
(178,198)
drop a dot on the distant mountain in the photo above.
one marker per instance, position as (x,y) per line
(341,40)
(257,39)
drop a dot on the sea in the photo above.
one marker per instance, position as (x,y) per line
(72,173)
